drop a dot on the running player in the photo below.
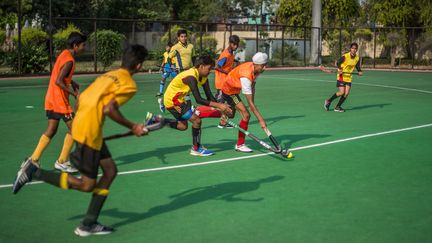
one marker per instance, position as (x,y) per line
(345,65)
(168,69)
(182,51)
(57,106)
(223,66)
(102,98)
(242,79)
(177,102)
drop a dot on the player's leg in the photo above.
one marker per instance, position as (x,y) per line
(197,148)
(62,163)
(44,140)
(343,97)
(341,87)
(244,123)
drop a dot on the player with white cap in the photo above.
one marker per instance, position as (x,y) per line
(242,79)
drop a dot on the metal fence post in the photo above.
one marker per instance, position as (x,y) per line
(304,46)
(133,32)
(283,46)
(374,55)
(95,45)
(50,28)
(412,48)
(256,47)
(19,37)
(201,42)
(340,41)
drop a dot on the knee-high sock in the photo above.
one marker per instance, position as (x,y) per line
(53,178)
(333,97)
(67,146)
(196,137)
(241,136)
(43,143)
(341,101)
(98,199)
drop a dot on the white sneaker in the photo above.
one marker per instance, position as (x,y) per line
(243,148)
(65,167)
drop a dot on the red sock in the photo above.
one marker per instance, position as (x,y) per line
(241,136)
(207,111)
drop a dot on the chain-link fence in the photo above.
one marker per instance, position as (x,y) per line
(287,46)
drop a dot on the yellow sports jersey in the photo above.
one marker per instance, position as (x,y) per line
(177,90)
(183,55)
(87,125)
(348,66)
(165,59)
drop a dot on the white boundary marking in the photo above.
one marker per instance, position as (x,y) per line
(355,83)
(258,155)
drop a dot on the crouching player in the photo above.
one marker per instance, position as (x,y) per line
(177,103)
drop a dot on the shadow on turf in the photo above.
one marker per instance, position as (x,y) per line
(224,145)
(228,192)
(368,106)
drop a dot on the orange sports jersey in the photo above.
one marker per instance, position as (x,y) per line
(227,59)
(56,99)
(232,84)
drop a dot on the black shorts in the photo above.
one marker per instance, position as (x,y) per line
(51,115)
(342,83)
(87,159)
(232,100)
(183,112)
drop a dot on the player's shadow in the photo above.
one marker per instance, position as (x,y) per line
(286,141)
(368,106)
(269,120)
(228,192)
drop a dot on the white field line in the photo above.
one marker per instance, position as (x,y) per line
(259,155)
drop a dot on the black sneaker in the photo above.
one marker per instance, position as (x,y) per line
(327,105)
(159,94)
(24,175)
(94,229)
(229,126)
(339,109)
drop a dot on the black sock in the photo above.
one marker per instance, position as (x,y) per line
(333,97)
(341,101)
(49,177)
(94,209)
(172,123)
(196,136)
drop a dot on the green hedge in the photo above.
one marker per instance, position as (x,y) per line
(109,46)
(34,52)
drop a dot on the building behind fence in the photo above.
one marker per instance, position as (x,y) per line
(287,46)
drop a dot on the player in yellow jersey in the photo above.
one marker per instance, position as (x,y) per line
(182,51)
(102,98)
(345,65)
(177,103)
(167,67)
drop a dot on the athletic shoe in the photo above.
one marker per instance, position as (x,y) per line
(327,105)
(94,229)
(229,126)
(159,94)
(243,148)
(65,167)
(24,175)
(201,151)
(150,119)
(161,105)
(339,109)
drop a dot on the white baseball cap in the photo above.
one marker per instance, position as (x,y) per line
(260,58)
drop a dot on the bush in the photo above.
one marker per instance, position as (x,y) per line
(2,37)
(60,38)
(109,46)
(34,52)
(34,59)
(209,44)
(31,36)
